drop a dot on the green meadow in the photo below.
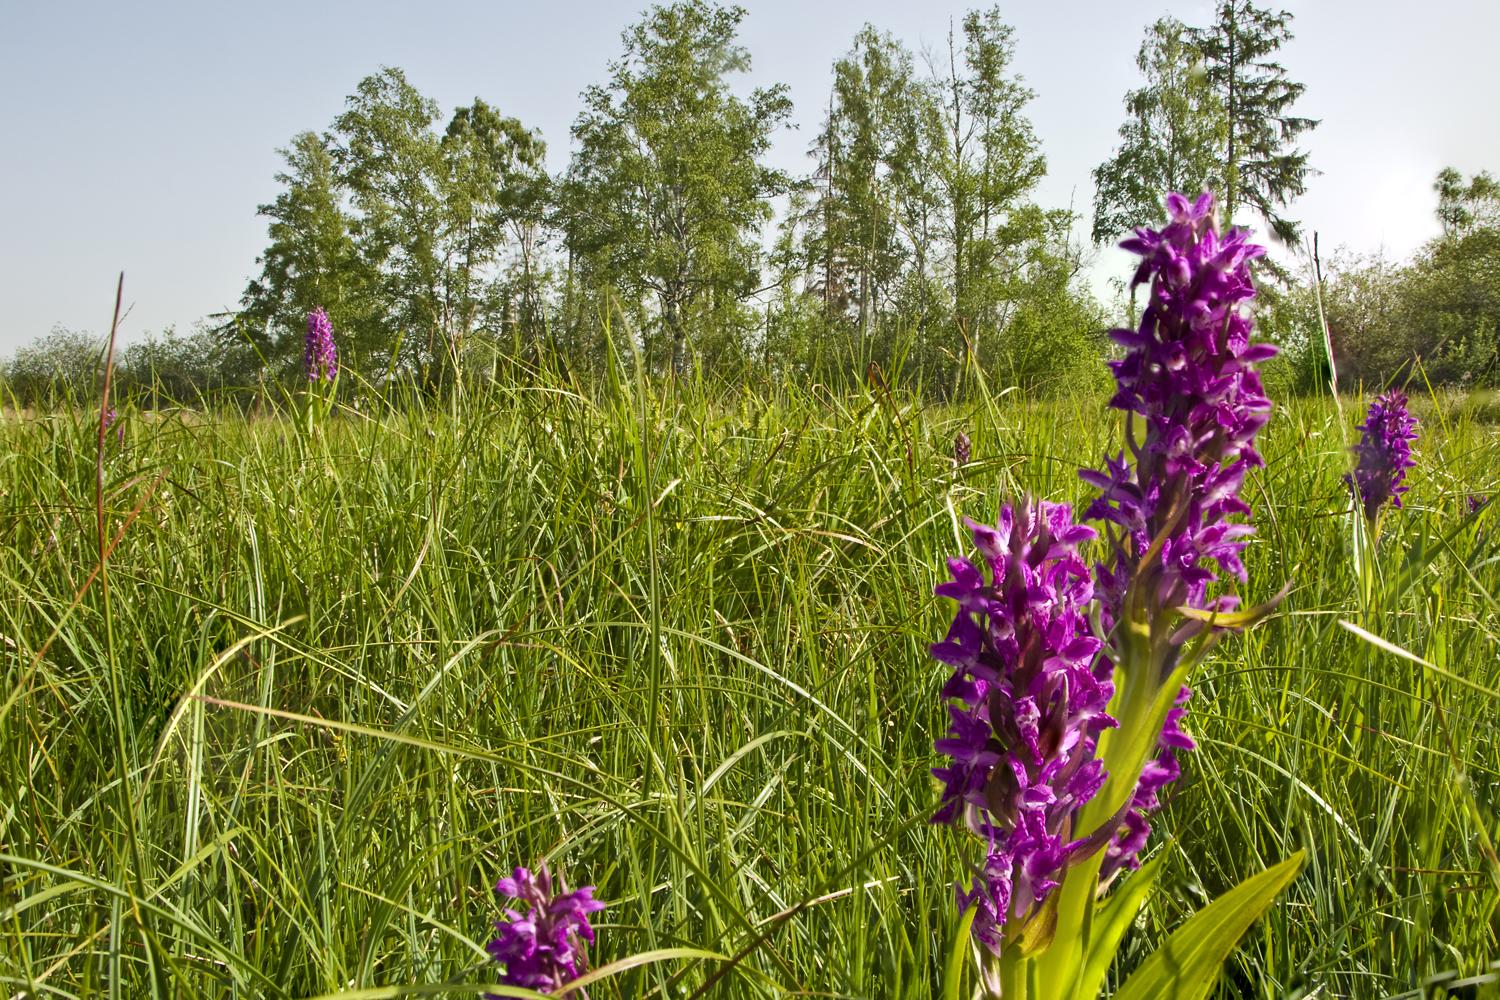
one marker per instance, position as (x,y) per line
(332,678)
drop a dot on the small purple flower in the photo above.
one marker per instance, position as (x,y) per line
(111,417)
(1475,503)
(962,449)
(1189,383)
(1028,708)
(1383,454)
(540,949)
(320,358)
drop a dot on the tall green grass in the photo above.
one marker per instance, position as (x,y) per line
(675,645)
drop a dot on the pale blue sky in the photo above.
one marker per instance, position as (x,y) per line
(143,139)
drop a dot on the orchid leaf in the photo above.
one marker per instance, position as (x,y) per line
(1124,752)
(1187,965)
(1112,919)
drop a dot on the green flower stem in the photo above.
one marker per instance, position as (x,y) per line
(1015,971)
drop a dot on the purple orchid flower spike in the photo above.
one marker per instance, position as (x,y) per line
(1067,692)
(1194,399)
(542,948)
(1383,454)
(1028,708)
(320,357)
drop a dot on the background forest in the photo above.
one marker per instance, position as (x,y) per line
(439,243)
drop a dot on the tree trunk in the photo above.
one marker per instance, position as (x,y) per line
(828,222)
(1231,172)
(679,337)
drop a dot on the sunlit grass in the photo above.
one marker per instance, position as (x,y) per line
(676,646)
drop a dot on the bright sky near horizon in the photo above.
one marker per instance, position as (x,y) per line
(142,137)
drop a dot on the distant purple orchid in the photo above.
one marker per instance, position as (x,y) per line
(1189,382)
(1028,710)
(1383,454)
(962,449)
(540,949)
(320,357)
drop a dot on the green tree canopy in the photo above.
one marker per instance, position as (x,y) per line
(63,365)
(867,157)
(1263,168)
(1436,317)
(1172,139)
(310,260)
(1463,208)
(390,160)
(495,189)
(410,239)
(987,162)
(667,190)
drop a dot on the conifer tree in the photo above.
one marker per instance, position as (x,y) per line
(1172,140)
(1263,168)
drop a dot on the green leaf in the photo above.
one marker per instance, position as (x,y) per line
(1239,620)
(1037,933)
(1113,918)
(1186,967)
(953,972)
(644,958)
(1141,710)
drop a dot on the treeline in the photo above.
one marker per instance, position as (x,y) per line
(914,243)
(1434,318)
(442,248)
